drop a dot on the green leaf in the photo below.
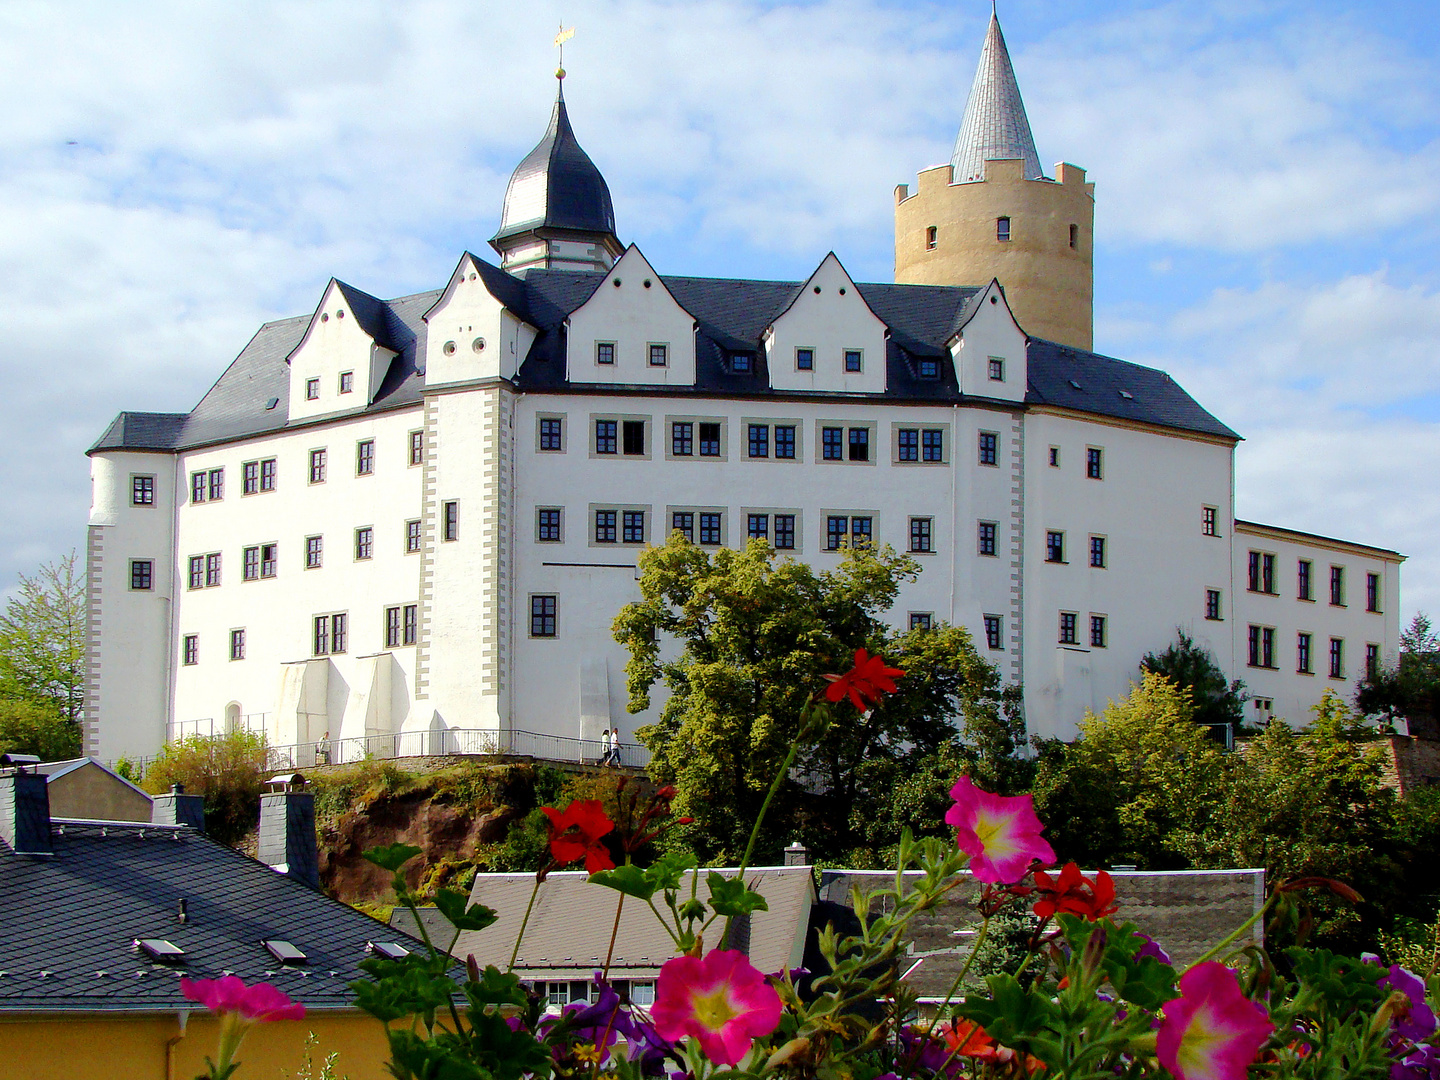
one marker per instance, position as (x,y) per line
(392,856)
(452,904)
(730,897)
(628,879)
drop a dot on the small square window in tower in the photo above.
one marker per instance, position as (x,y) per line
(932,237)
(1002,229)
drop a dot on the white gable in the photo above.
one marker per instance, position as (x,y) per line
(337,366)
(827,324)
(611,335)
(470,334)
(990,333)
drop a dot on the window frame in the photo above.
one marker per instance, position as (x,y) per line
(364,543)
(1099,557)
(142,489)
(1337,658)
(312,389)
(1372,593)
(1069,632)
(925,535)
(414,536)
(604,354)
(142,575)
(548,427)
(542,525)
(365,457)
(1003,235)
(659,349)
(995,368)
(987,539)
(1055,546)
(1304,653)
(922,620)
(1209,520)
(1094,463)
(804,357)
(237,643)
(987,449)
(1214,605)
(1337,585)
(994,629)
(1099,631)
(190,650)
(319,465)
(450,521)
(315,551)
(855,356)
(1305,580)
(347,382)
(416,447)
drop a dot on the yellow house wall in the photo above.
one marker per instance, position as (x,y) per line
(1049,284)
(141,1048)
(91,792)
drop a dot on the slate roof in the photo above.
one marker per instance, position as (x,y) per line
(70,918)
(731,316)
(995,124)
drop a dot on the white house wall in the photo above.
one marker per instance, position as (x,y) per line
(631,311)
(830,317)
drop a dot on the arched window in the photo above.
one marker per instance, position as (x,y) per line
(1002,229)
(930,238)
(1074,236)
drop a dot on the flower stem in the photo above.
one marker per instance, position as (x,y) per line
(523,923)
(614,932)
(1239,932)
(780,776)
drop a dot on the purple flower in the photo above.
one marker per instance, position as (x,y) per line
(921,1050)
(1422,1063)
(1151,948)
(602,1022)
(1417,1021)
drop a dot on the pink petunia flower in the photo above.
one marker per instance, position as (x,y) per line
(722,1001)
(230,995)
(1211,1031)
(1000,833)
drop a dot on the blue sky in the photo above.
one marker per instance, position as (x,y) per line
(1268,196)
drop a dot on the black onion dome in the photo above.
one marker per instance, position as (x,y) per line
(557,186)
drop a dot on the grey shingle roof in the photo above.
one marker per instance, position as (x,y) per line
(731,315)
(995,124)
(70,918)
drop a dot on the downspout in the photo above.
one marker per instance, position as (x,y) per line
(183,1019)
(954,505)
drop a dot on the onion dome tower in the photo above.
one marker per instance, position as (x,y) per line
(557,214)
(993,213)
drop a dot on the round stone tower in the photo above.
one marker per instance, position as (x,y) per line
(992,213)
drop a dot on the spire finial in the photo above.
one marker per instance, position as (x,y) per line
(560,39)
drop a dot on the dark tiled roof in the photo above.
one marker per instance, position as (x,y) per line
(70,918)
(730,315)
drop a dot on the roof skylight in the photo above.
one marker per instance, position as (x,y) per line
(159,950)
(284,951)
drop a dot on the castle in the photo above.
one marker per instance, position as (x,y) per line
(404,526)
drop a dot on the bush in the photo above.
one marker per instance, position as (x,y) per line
(36,727)
(229,770)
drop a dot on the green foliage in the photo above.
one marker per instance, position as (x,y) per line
(37,727)
(229,770)
(1215,703)
(42,639)
(1408,688)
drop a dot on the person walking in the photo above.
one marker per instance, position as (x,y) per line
(605,747)
(615,747)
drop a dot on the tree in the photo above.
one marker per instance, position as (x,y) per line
(740,640)
(34,727)
(229,770)
(1215,702)
(42,639)
(1408,688)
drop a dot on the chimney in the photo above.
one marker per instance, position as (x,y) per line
(797,854)
(287,830)
(24,806)
(177,808)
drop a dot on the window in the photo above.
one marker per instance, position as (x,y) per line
(659,355)
(267,474)
(997,369)
(1067,628)
(197,487)
(859,444)
(604,352)
(832,445)
(547,525)
(1261,572)
(1209,526)
(1304,580)
(552,433)
(862,532)
(392,627)
(740,361)
(927,367)
(347,382)
(417,447)
(190,649)
(989,441)
(269,556)
(237,644)
(605,526)
(785,441)
(804,359)
(364,542)
(605,436)
(250,564)
(329,635)
(907,446)
(317,466)
(250,478)
(196,577)
(142,491)
(1212,605)
(758,442)
(1337,586)
(682,439)
(986,530)
(683,522)
(312,389)
(920,620)
(932,443)
(1097,631)
(632,437)
(709,440)
(633,524)
(1337,658)
(931,238)
(450,529)
(217,484)
(920,538)
(365,457)
(859,529)
(1093,463)
(1097,551)
(1304,659)
(212,569)
(314,551)
(837,527)
(401,625)
(142,575)
(994,629)
(1261,642)
(1372,661)
(412,624)
(1074,236)
(785,532)
(1002,229)
(854,359)
(412,536)
(1055,547)
(710,529)
(1054,457)
(1372,592)
(757,526)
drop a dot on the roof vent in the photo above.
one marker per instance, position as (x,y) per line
(284,951)
(390,950)
(1127,395)
(271,403)
(1076,385)
(158,950)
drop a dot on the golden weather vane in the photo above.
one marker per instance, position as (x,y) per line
(560,39)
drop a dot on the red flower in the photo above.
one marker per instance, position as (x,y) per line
(1074,894)
(866,683)
(575,834)
(968,1039)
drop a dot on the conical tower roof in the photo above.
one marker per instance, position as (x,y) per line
(995,125)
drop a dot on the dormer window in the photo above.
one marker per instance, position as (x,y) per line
(740,361)
(997,369)
(312,389)
(854,360)
(347,382)
(1002,229)
(931,238)
(659,355)
(928,368)
(604,352)
(804,359)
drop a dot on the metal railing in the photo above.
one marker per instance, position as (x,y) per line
(479,742)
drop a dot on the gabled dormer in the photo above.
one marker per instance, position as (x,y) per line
(631,330)
(827,338)
(988,347)
(476,330)
(343,357)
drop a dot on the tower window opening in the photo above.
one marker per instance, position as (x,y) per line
(930,238)
(1002,229)
(1074,236)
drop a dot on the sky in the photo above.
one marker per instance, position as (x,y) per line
(1267,174)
